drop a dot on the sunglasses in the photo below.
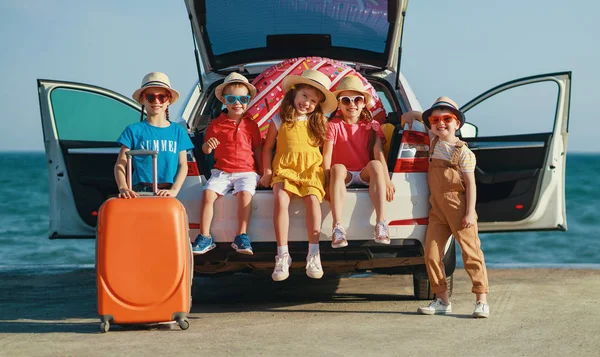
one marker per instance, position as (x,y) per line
(161,97)
(448,118)
(231,99)
(346,100)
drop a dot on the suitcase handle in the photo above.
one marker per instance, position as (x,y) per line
(154,154)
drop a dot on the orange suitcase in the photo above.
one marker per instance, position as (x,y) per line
(143,260)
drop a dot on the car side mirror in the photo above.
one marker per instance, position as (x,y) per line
(468,131)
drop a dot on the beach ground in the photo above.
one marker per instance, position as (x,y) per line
(534,312)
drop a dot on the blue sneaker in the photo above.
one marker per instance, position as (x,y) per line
(241,244)
(203,244)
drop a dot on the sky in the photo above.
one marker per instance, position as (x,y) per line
(458,49)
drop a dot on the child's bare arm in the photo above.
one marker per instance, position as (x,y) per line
(471,194)
(327,152)
(267,156)
(409,117)
(120,172)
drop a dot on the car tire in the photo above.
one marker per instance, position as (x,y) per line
(423,288)
(421,284)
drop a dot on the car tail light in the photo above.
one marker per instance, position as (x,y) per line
(413,155)
(193,169)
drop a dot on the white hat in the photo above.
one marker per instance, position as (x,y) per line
(156,80)
(352,83)
(318,80)
(234,77)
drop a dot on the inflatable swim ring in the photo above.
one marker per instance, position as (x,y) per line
(270,91)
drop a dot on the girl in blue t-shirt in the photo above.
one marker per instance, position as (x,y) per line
(156,132)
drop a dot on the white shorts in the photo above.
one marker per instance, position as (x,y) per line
(221,182)
(355,179)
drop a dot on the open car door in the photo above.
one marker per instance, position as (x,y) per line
(81,124)
(520,174)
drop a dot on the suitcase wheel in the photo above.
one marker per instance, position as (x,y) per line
(183,323)
(104,327)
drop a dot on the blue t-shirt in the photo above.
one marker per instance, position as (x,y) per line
(168,141)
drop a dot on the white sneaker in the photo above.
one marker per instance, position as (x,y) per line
(338,237)
(313,266)
(436,307)
(481,310)
(282,267)
(382,233)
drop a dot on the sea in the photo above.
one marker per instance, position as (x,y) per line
(24,209)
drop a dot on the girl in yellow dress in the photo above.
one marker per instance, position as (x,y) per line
(299,130)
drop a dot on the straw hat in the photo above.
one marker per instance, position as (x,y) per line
(444,103)
(156,80)
(318,80)
(234,77)
(354,84)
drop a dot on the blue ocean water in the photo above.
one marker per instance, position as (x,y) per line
(24,242)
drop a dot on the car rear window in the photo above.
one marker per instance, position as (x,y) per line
(236,26)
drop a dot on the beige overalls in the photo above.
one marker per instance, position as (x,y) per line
(448,207)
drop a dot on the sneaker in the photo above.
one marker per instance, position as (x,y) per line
(481,310)
(282,267)
(338,237)
(203,244)
(313,266)
(436,307)
(382,233)
(241,244)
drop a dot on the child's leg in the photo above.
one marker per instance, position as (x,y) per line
(313,218)
(281,222)
(244,199)
(281,217)
(313,226)
(438,233)
(473,259)
(374,173)
(208,199)
(339,176)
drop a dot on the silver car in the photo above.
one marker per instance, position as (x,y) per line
(520,178)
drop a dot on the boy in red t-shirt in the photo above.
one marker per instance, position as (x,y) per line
(235,138)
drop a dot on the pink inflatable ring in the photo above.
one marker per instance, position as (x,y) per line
(270,91)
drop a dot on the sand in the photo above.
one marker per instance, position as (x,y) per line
(534,312)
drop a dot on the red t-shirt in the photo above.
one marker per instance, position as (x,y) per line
(236,142)
(350,142)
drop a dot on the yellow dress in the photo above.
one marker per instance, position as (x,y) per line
(297,163)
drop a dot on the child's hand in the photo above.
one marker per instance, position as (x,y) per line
(265,180)
(167,193)
(326,197)
(469,220)
(211,144)
(390,190)
(409,117)
(127,193)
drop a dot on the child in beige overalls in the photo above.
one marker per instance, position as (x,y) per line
(451,180)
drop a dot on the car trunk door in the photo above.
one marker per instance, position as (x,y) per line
(81,124)
(236,33)
(521,178)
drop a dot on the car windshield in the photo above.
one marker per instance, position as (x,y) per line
(236,26)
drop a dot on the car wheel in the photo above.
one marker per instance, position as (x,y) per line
(421,280)
(423,288)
